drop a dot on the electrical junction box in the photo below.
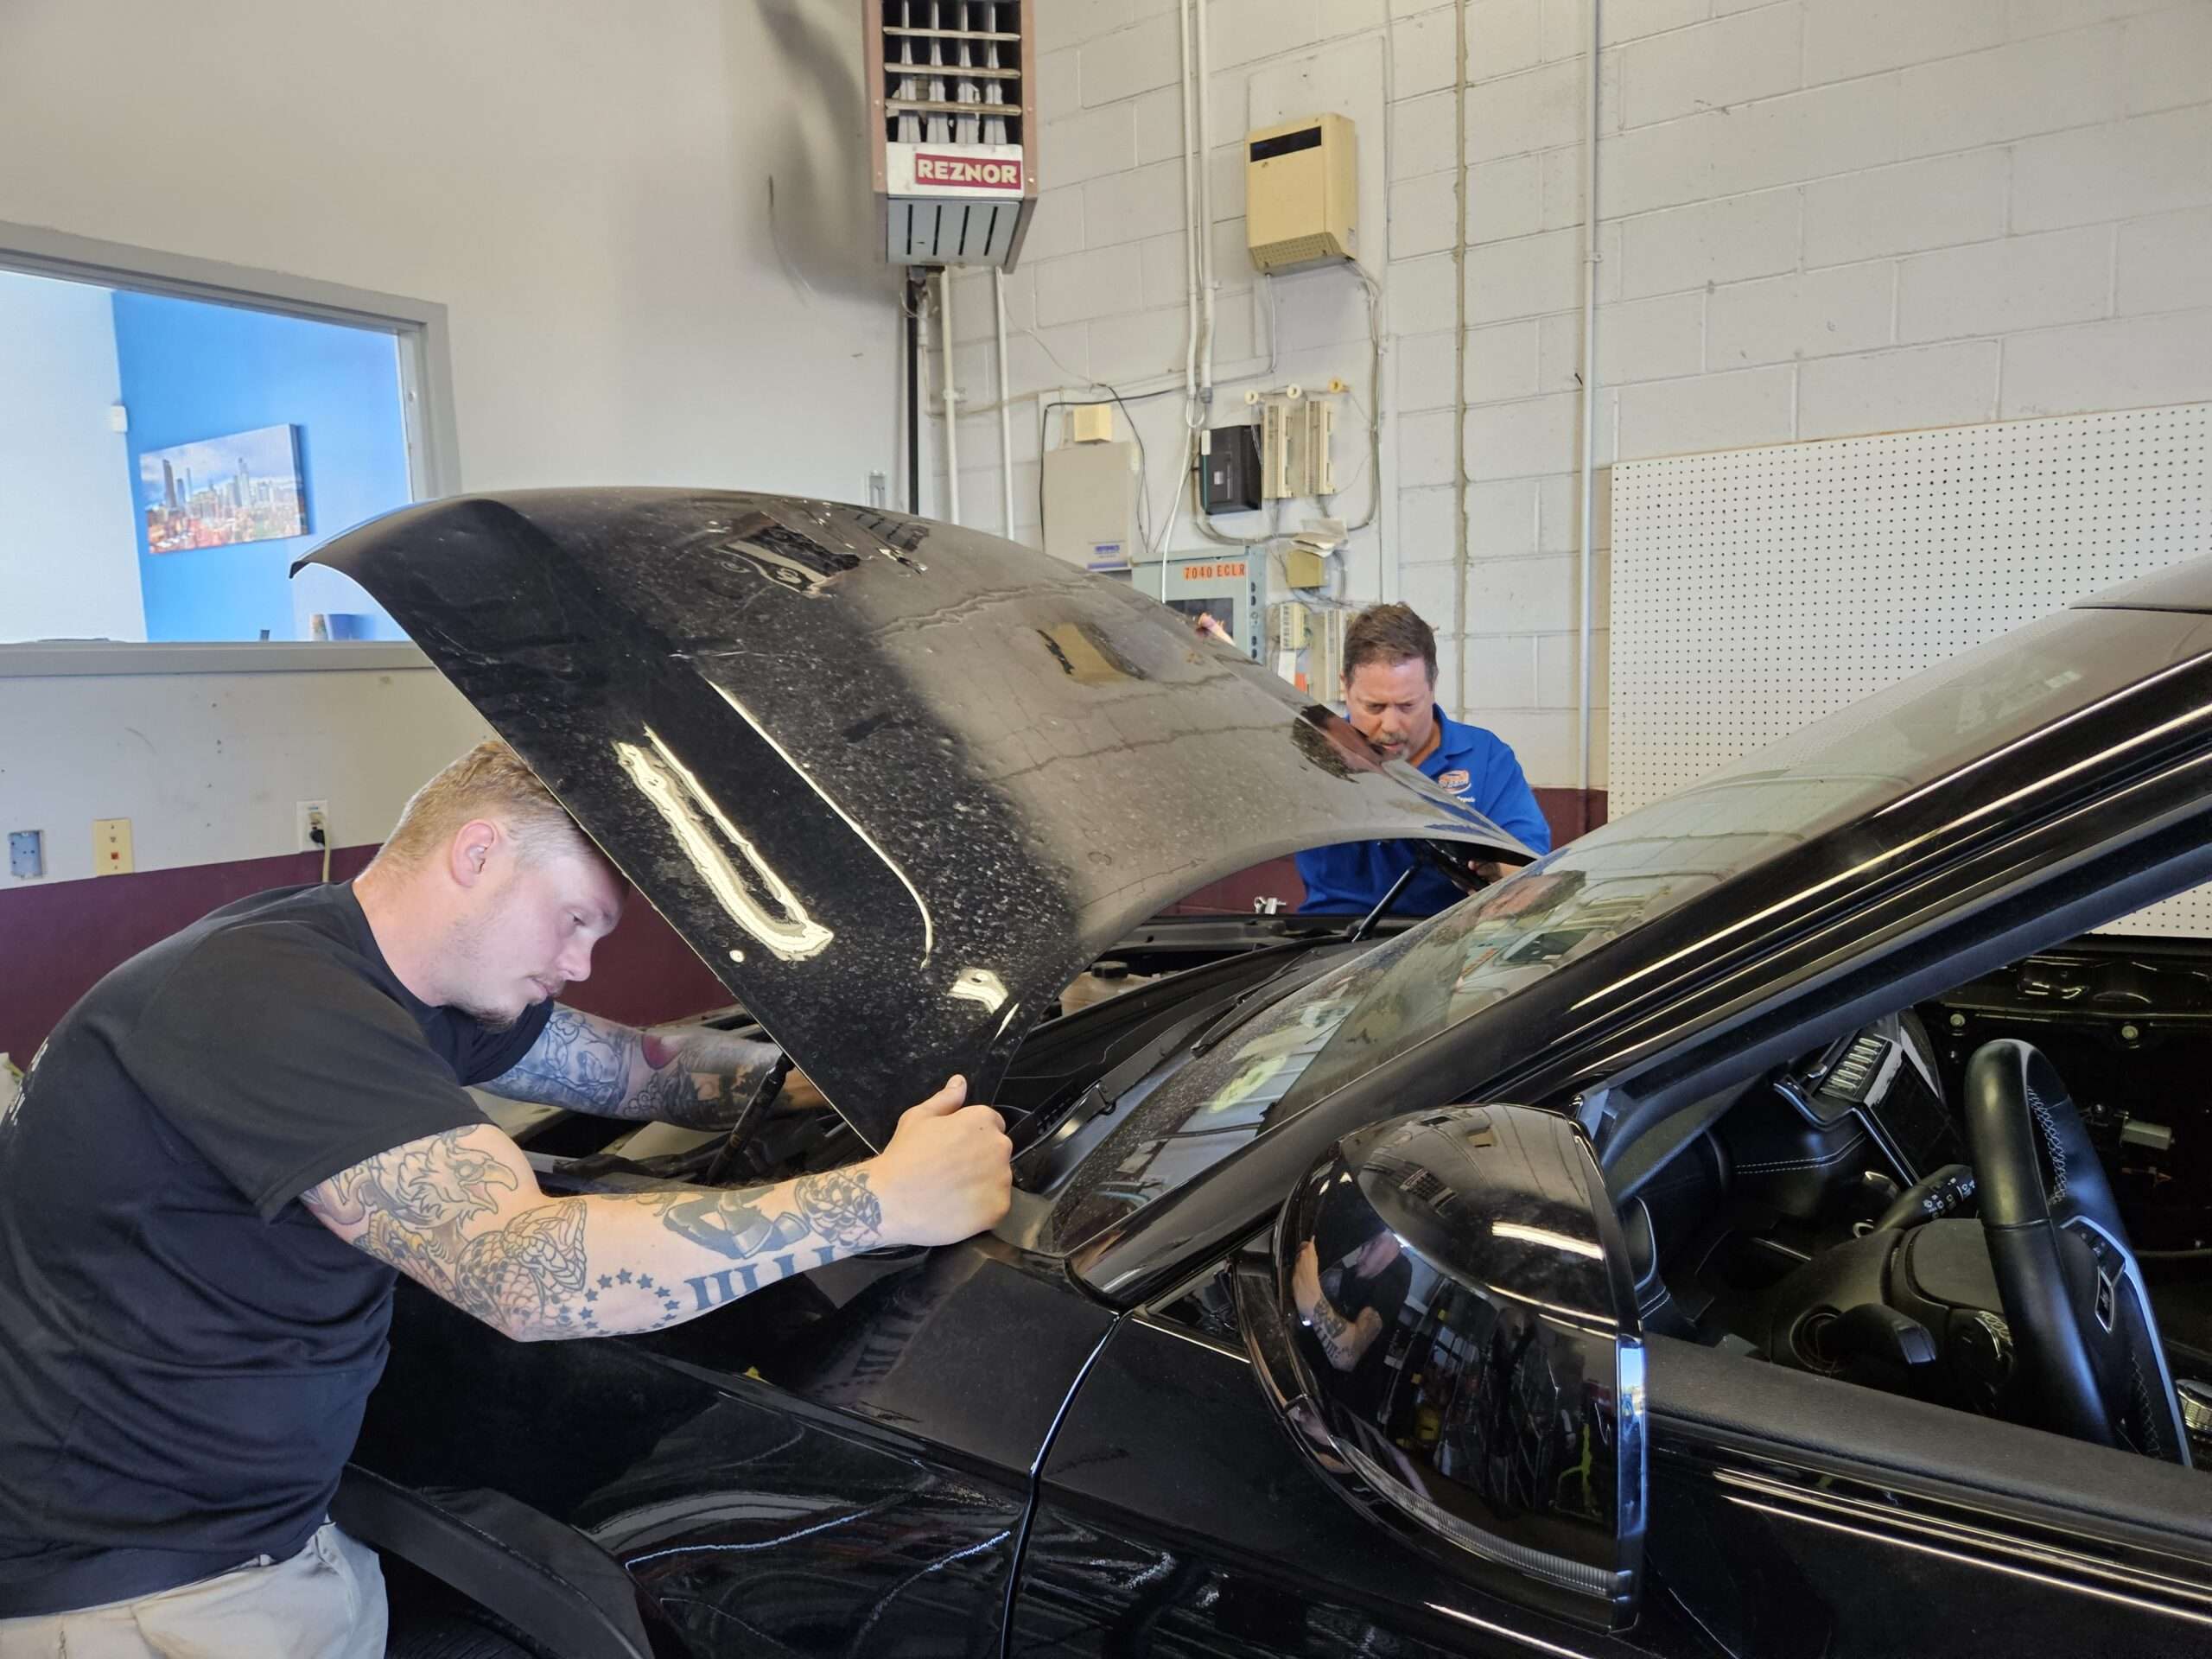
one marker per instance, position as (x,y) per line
(1090,423)
(1301,193)
(1229,476)
(1091,492)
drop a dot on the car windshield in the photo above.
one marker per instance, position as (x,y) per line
(1476,955)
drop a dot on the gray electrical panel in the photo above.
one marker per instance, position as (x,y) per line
(1229,586)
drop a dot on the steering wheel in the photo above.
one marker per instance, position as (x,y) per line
(2090,1362)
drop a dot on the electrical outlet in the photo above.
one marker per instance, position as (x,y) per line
(26,853)
(111,847)
(310,816)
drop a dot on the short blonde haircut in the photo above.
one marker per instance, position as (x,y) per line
(489,782)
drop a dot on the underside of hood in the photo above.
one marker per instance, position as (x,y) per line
(896,782)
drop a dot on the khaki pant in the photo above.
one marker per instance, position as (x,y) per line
(325,1603)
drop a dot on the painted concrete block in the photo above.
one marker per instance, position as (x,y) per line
(1524,439)
(2030,87)
(1504,198)
(1774,140)
(1524,277)
(2129,363)
(1901,209)
(1425,449)
(1818,313)
(1098,284)
(1085,146)
(1990,288)
(1131,61)
(1535,109)
(2165,262)
(1728,60)
(2148,164)
(1426,365)
(1424,215)
(1710,411)
(1727,240)
(1845,38)
(1130,207)
(1502,363)
(1897,391)
(2166,59)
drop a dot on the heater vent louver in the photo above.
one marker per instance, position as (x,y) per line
(955,124)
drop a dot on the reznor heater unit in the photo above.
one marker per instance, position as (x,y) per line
(956,127)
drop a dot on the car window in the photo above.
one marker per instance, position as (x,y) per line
(1588,894)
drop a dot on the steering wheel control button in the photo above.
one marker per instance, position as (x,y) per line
(2106,1293)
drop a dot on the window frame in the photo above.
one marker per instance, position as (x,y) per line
(419,328)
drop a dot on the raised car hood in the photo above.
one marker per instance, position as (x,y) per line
(895,782)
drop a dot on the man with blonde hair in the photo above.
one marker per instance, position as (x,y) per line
(227,1153)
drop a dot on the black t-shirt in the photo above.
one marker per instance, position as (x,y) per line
(185,1351)
(1352,1296)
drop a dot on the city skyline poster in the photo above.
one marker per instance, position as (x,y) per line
(217,492)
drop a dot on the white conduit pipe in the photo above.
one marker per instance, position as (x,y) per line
(1006,402)
(1589,387)
(951,399)
(1204,236)
(1191,165)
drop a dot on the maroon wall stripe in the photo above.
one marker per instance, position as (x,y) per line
(56,940)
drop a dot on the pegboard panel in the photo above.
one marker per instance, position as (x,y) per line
(1756,590)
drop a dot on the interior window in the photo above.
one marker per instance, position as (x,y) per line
(165,461)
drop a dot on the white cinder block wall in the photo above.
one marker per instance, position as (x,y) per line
(1817,217)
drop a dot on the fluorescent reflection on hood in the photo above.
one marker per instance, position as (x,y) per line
(675,794)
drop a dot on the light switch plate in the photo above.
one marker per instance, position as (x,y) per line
(111,847)
(26,853)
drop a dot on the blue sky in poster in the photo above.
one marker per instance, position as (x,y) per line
(266,454)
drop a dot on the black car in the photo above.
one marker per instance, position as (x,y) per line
(1713,1238)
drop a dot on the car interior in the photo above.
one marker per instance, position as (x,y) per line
(1829,1215)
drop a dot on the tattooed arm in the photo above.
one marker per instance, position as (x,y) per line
(695,1077)
(1344,1340)
(462,1214)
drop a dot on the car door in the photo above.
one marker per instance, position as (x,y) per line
(1175,1515)
(1789,1515)
(1797,1514)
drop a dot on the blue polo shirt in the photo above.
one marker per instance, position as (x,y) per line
(1471,763)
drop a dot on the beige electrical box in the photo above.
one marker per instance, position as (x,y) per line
(1090,423)
(1301,193)
(1091,494)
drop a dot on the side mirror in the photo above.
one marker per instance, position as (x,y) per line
(1449,1332)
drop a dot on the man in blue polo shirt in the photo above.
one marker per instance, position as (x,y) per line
(1390,695)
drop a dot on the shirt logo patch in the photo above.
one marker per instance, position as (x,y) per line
(1455,780)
